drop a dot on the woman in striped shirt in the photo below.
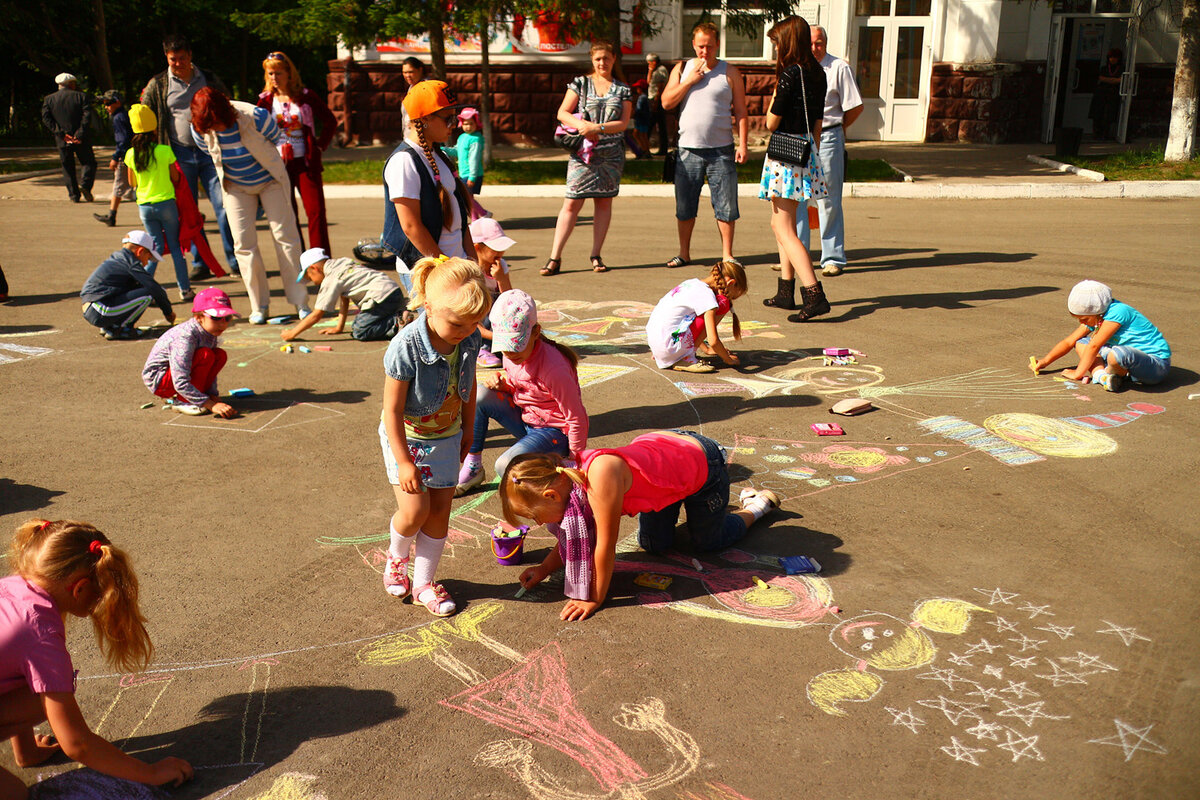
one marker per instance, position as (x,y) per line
(241,140)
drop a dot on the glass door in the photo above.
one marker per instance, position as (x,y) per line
(890,44)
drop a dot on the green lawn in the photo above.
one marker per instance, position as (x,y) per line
(1141,165)
(552,172)
(11,167)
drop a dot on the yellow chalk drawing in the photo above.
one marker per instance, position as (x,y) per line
(434,640)
(1050,437)
(292,786)
(885,643)
(842,686)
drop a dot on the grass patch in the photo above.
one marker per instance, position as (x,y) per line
(646,171)
(1141,165)
(13,167)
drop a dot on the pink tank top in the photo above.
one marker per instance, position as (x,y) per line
(665,468)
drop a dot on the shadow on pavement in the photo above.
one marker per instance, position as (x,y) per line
(38,299)
(941,260)
(17,497)
(688,413)
(950,301)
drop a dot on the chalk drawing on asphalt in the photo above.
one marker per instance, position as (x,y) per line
(12,353)
(1131,740)
(258,415)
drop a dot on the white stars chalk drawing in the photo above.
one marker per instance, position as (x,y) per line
(1084,661)
(954,710)
(1028,713)
(1130,739)
(1021,746)
(984,693)
(1058,630)
(997,595)
(1128,635)
(946,676)
(1023,662)
(960,752)
(1027,643)
(961,661)
(1020,690)
(986,730)
(906,718)
(1036,611)
(1002,625)
(1061,677)
(983,646)
(994,671)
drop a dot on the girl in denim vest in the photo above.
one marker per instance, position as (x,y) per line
(430,390)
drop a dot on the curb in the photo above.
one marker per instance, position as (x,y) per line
(1086,174)
(1140,190)
(20,176)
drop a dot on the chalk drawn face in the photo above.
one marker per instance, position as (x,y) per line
(883,642)
(1050,437)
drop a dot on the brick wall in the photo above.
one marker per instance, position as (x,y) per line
(992,103)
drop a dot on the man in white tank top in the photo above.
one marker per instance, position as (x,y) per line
(711,98)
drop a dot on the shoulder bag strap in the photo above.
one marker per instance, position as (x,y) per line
(804,97)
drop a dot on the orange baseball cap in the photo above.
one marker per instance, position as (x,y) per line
(428,97)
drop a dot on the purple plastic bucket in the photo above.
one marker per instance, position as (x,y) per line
(509,550)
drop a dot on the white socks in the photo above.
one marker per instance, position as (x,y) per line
(429,553)
(399,546)
(757,504)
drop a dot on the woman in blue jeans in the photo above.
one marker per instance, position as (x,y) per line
(150,173)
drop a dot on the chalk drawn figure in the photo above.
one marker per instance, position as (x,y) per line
(1131,740)
(884,643)
(11,353)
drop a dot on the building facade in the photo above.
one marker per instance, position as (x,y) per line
(929,70)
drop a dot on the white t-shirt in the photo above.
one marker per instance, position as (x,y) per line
(287,117)
(841,92)
(402,179)
(678,307)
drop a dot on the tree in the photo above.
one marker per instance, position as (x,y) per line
(1181,143)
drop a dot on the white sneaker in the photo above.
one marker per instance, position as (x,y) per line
(258,317)
(189,409)
(303,311)
(831,269)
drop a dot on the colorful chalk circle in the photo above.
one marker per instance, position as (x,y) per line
(1050,437)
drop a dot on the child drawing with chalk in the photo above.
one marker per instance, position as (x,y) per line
(184,363)
(1114,341)
(339,281)
(426,428)
(63,569)
(685,320)
(536,397)
(653,477)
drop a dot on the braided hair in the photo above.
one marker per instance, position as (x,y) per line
(724,275)
(443,195)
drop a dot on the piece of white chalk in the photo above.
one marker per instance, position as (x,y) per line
(520,593)
(696,564)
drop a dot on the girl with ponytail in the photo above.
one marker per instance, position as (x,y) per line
(67,568)
(685,320)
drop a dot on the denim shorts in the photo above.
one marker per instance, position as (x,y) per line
(437,459)
(691,168)
(1142,367)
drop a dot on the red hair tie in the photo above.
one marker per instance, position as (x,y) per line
(42,527)
(96,548)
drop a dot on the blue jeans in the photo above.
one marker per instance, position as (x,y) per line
(380,321)
(198,167)
(832,154)
(1142,367)
(709,524)
(161,221)
(499,406)
(691,168)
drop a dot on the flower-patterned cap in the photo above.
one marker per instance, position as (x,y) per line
(513,316)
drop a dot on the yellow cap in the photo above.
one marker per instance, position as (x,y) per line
(142,118)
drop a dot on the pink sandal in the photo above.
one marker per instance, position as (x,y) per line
(440,604)
(395,577)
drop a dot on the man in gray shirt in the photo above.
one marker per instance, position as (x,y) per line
(169,95)
(708,92)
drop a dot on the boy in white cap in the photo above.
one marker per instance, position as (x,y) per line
(490,245)
(339,280)
(1113,340)
(120,290)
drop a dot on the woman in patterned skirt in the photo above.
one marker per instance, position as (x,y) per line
(594,171)
(797,107)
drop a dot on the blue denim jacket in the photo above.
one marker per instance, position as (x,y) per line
(411,357)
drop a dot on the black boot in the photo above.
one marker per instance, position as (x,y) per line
(813,304)
(785,295)
(109,219)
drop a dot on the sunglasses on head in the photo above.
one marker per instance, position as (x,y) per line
(276,56)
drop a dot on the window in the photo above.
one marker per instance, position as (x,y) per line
(735,43)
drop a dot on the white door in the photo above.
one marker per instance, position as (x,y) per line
(891,65)
(1054,66)
(1129,79)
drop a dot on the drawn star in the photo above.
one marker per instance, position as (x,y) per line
(960,752)
(985,693)
(1128,635)
(1028,713)
(1002,625)
(1129,739)
(1024,662)
(1019,689)
(1062,677)
(986,730)
(994,671)
(962,661)
(983,646)
(1028,644)
(998,595)
(906,718)
(954,710)
(946,676)
(1035,611)
(1058,630)
(1027,745)
(1088,662)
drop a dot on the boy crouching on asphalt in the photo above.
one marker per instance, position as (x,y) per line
(339,280)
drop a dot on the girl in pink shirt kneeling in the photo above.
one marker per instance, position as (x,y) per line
(653,476)
(536,398)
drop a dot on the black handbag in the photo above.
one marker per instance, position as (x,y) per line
(669,166)
(792,148)
(565,137)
